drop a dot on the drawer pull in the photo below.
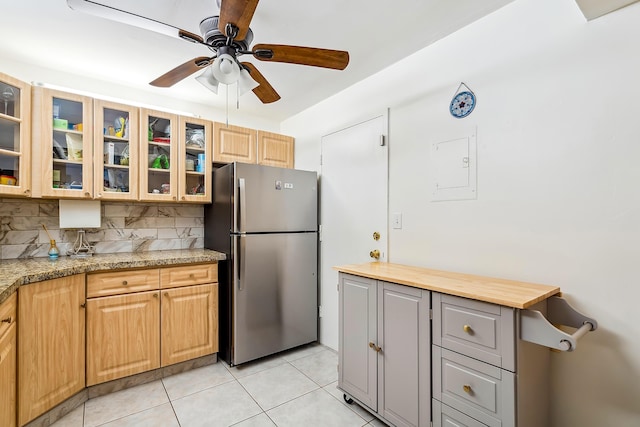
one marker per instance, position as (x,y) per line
(7,320)
(375,347)
(192,276)
(468,329)
(155,295)
(467,389)
(125,283)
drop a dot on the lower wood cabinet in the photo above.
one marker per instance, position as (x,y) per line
(51,348)
(123,337)
(189,323)
(384,349)
(8,362)
(131,332)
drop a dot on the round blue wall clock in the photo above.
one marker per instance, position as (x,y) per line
(462,103)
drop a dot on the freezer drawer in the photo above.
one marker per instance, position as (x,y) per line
(275,293)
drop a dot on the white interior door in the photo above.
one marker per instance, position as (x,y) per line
(353,205)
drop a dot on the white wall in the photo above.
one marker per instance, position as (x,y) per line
(558,177)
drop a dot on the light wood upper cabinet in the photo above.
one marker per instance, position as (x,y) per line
(8,363)
(15,137)
(195,162)
(51,350)
(116,143)
(62,130)
(189,323)
(123,337)
(275,149)
(233,143)
(159,156)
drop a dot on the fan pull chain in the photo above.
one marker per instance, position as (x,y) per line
(227,106)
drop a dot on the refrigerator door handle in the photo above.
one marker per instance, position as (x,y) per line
(240,262)
(243,204)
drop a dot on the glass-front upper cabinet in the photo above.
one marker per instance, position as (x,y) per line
(116,136)
(195,160)
(15,146)
(159,156)
(63,144)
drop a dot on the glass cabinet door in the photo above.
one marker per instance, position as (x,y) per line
(64,143)
(116,151)
(195,160)
(158,156)
(15,148)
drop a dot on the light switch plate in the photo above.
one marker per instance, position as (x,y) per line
(396,220)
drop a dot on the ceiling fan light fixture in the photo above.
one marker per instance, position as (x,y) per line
(208,80)
(225,69)
(246,82)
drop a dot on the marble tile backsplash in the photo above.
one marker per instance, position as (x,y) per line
(126,227)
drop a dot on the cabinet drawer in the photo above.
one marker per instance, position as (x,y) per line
(478,329)
(122,282)
(8,314)
(482,391)
(173,277)
(445,416)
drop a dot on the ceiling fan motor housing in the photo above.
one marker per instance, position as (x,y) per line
(215,38)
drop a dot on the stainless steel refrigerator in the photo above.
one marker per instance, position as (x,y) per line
(265,220)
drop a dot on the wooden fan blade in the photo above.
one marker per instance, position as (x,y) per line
(265,92)
(238,13)
(181,71)
(326,58)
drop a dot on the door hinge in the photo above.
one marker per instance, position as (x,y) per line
(430,314)
(320,233)
(320,159)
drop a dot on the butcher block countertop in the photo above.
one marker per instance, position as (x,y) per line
(508,293)
(14,273)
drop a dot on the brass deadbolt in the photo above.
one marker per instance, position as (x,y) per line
(376,236)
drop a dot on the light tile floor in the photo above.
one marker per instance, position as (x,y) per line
(291,389)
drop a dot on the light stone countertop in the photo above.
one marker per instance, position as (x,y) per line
(14,273)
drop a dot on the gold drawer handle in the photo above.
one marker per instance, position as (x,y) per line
(468,329)
(467,389)
(7,320)
(125,283)
(375,347)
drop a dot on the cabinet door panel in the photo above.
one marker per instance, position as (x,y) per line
(357,360)
(233,143)
(8,362)
(275,149)
(189,323)
(123,337)
(51,355)
(405,360)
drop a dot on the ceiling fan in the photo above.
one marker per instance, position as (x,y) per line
(228,35)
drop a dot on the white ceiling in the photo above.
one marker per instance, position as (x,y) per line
(48,34)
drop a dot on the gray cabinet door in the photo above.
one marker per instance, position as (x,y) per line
(358,328)
(404,370)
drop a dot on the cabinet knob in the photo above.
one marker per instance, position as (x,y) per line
(83,305)
(375,347)
(27,191)
(467,329)
(155,295)
(87,194)
(7,320)
(467,389)
(184,198)
(175,198)
(166,294)
(192,276)
(125,283)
